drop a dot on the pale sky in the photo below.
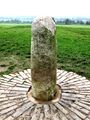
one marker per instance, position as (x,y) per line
(64,8)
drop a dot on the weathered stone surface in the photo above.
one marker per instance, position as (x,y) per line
(43,58)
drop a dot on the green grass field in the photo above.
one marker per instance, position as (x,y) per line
(73,48)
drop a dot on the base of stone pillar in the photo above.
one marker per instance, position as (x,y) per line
(55,99)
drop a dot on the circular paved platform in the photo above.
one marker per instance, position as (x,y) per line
(73,105)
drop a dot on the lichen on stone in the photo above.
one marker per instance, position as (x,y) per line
(43,58)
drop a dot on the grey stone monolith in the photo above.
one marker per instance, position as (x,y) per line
(43,58)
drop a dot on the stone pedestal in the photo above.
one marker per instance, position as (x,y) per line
(73,105)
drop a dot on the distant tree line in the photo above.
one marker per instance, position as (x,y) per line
(14,21)
(64,21)
(69,22)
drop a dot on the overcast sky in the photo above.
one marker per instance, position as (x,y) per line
(66,8)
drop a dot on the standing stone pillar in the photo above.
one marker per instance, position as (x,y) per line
(43,58)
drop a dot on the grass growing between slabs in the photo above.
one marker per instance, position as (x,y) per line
(73,48)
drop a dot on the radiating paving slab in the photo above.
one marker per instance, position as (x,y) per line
(73,105)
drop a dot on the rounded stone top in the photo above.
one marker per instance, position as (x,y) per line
(44,21)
